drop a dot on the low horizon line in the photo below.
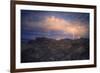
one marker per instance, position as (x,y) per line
(56,39)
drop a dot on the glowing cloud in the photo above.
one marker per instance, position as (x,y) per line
(76,29)
(55,25)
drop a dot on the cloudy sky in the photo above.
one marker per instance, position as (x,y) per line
(55,25)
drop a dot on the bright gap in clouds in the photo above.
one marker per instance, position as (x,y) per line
(55,25)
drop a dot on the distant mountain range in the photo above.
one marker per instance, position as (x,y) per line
(50,39)
(44,49)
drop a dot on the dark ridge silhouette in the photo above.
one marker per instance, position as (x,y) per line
(44,49)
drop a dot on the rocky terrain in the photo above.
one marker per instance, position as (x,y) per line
(46,49)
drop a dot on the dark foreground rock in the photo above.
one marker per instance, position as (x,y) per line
(44,49)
